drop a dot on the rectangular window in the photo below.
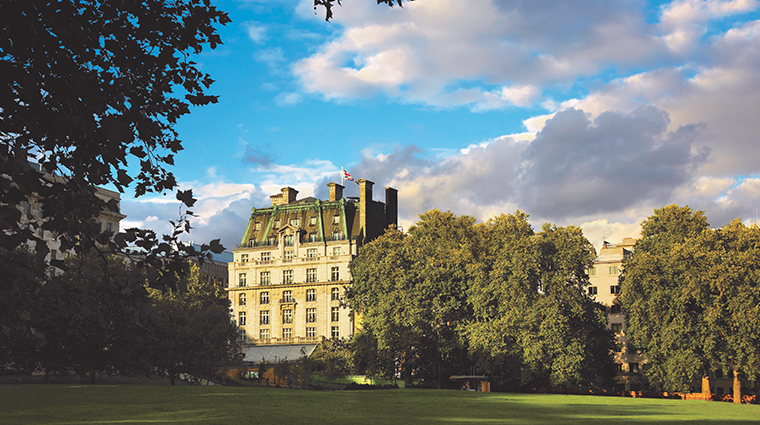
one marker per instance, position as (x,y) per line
(334,314)
(312,221)
(266,278)
(241,279)
(311,332)
(335,294)
(633,367)
(264,298)
(287,316)
(334,274)
(337,236)
(290,254)
(287,277)
(311,295)
(336,219)
(616,309)
(266,256)
(313,237)
(614,289)
(614,271)
(241,318)
(258,225)
(287,332)
(592,271)
(288,241)
(335,332)
(287,296)
(311,252)
(241,336)
(241,299)
(336,251)
(264,333)
(619,367)
(277,224)
(264,317)
(592,290)
(244,258)
(311,315)
(311,275)
(295,222)
(616,327)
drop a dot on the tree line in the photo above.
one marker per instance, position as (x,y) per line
(452,296)
(692,299)
(101,318)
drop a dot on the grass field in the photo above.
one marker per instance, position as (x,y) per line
(102,404)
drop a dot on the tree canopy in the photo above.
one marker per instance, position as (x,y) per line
(91,90)
(452,295)
(691,295)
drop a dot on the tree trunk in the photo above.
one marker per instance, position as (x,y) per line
(706,384)
(737,388)
(172,377)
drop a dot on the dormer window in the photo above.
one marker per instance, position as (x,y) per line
(312,221)
(258,225)
(277,224)
(336,219)
(296,222)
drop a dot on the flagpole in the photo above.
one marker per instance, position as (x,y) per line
(342,174)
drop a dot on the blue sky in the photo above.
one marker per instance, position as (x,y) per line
(588,113)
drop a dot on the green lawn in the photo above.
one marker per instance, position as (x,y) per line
(67,404)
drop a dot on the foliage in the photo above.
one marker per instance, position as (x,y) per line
(533,323)
(328,5)
(192,331)
(411,293)
(453,294)
(23,277)
(332,358)
(692,298)
(663,301)
(89,89)
(93,317)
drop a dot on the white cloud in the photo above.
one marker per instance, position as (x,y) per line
(256,32)
(450,53)
(288,99)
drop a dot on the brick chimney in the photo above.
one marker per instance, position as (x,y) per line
(391,206)
(287,196)
(336,191)
(365,200)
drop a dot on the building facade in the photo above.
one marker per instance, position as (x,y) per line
(605,288)
(289,275)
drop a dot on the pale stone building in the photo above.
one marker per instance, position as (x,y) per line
(289,274)
(605,288)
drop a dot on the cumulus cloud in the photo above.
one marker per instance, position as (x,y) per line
(577,167)
(483,55)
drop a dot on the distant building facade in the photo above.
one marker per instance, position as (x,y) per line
(34,215)
(289,275)
(605,288)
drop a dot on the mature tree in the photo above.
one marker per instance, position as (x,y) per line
(665,301)
(411,294)
(533,323)
(92,89)
(725,269)
(191,329)
(93,318)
